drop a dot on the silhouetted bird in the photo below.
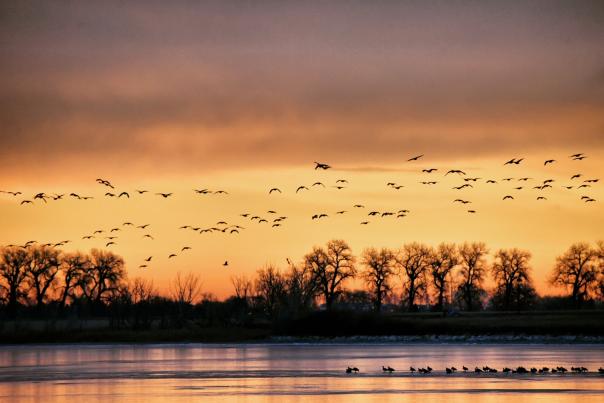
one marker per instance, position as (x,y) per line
(301,188)
(508,197)
(274,190)
(549,162)
(415,158)
(455,171)
(172,255)
(430,170)
(319,165)
(226,263)
(164,195)
(124,194)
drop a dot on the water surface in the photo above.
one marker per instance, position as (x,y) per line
(287,373)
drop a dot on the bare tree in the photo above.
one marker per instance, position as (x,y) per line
(243,287)
(73,267)
(600,280)
(186,289)
(472,271)
(379,268)
(577,271)
(13,270)
(331,267)
(301,288)
(42,271)
(442,261)
(510,270)
(142,290)
(104,276)
(270,288)
(413,260)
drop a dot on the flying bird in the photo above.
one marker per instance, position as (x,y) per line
(415,158)
(274,190)
(184,248)
(164,195)
(455,171)
(318,184)
(148,259)
(301,188)
(429,170)
(508,197)
(319,165)
(124,194)
(26,202)
(548,162)
(171,255)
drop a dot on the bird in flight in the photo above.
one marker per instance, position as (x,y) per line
(541,198)
(171,255)
(455,171)
(430,170)
(508,197)
(140,192)
(164,195)
(514,161)
(148,236)
(462,201)
(184,248)
(142,266)
(301,188)
(226,263)
(26,202)
(143,226)
(148,259)
(417,157)
(358,206)
(318,184)
(110,243)
(124,194)
(274,190)
(548,162)
(472,211)
(319,165)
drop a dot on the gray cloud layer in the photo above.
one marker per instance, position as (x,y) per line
(288,82)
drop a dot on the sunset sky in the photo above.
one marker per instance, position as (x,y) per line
(244,96)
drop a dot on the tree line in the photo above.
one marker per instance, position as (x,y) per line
(413,277)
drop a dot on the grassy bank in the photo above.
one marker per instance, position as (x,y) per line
(318,324)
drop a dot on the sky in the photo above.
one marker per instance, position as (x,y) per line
(244,96)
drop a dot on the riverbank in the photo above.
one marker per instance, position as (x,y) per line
(480,327)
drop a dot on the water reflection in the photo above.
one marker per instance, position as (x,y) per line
(292,373)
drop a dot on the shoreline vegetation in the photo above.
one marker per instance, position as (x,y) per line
(585,326)
(417,291)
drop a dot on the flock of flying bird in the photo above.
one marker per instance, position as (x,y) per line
(275,220)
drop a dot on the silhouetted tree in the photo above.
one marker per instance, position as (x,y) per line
(42,271)
(13,271)
(472,271)
(442,261)
(142,290)
(301,288)
(270,287)
(379,268)
(103,277)
(513,285)
(73,267)
(243,287)
(185,289)
(331,267)
(577,271)
(414,260)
